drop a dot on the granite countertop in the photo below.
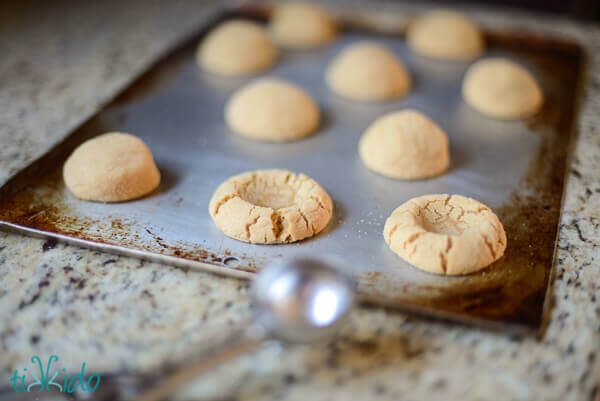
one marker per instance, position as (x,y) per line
(61,64)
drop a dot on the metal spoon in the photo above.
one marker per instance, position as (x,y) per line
(303,300)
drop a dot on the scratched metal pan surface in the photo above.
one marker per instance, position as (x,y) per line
(517,168)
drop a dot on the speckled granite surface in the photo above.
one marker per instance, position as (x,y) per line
(116,313)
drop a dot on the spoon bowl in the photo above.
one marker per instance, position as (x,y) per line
(302,300)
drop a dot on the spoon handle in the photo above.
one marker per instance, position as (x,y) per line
(235,344)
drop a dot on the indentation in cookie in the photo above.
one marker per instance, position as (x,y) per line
(270,207)
(445,234)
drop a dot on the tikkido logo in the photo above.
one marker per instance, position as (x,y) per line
(42,378)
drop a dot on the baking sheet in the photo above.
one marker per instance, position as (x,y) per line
(516,168)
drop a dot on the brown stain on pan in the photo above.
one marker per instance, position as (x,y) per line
(511,290)
(37,198)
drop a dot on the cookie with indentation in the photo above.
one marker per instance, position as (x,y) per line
(368,71)
(270,207)
(113,167)
(502,89)
(272,109)
(445,234)
(237,48)
(446,35)
(405,145)
(302,26)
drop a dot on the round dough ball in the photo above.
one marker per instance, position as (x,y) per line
(445,35)
(302,26)
(368,71)
(405,145)
(270,207)
(445,234)
(272,109)
(113,167)
(502,89)
(237,48)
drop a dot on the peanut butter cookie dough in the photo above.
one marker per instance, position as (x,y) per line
(237,48)
(368,71)
(271,109)
(405,145)
(502,89)
(113,167)
(302,26)
(445,35)
(445,234)
(270,207)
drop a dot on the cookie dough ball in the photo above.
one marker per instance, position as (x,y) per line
(445,35)
(445,234)
(273,110)
(237,48)
(113,167)
(368,71)
(302,26)
(270,207)
(405,145)
(502,89)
